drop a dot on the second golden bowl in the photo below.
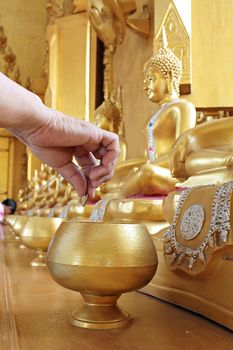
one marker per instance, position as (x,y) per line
(37,233)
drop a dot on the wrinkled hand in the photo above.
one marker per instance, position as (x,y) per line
(58,139)
(62,139)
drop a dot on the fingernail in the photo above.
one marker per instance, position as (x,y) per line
(83,200)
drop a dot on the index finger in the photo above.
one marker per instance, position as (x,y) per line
(110,142)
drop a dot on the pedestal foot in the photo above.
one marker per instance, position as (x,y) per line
(40,260)
(100,312)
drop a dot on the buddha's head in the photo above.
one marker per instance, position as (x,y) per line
(162,75)
(107,116)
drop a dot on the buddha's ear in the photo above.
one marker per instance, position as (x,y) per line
(170,75)
(170,82)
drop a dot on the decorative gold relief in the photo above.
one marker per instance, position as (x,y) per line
(8,61)
(110,19)
(55,9)
(206,114)
(3,40)
(199,236)
(79,6)
(139,21)
(179,42)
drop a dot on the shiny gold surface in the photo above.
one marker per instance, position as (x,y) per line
(210,297)
(215,252)
(136,209)
(108,116)
(110,19)
(206,288)
(18,225)
(204,154)
(37,233)
(34,312)
(101,261)
(10,219)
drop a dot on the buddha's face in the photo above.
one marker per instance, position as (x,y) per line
(155,85)
(102,18)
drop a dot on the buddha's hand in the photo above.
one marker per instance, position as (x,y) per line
(178,156)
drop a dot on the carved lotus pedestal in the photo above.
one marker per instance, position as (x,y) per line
(37,233)
(195,253)
(101,261)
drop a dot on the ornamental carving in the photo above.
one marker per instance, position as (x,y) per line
(199,236)
(8,64)
(179,42)
(55,9)
(58,8)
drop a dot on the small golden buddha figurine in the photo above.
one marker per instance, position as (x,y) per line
(108,117)
(204,154)
(162,75)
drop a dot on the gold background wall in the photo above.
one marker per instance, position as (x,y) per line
(212,53)
(24,25)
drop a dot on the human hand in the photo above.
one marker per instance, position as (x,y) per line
(62,139)
(58,139)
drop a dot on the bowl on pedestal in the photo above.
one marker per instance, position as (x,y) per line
(101,261)
(37,233)
(18,225)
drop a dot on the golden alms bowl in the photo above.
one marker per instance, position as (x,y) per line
(10,219)
(37,233)
(101,261)
(18,225)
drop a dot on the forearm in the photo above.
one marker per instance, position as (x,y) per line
(19,108)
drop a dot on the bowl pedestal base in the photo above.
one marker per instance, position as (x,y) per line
(40,260)
(100,312)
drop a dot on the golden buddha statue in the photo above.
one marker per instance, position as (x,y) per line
(41,192)
(108,117)
(162,75)
(27,196)
(50,195)
(203,155)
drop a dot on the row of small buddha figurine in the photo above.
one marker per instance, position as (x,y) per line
(180,154)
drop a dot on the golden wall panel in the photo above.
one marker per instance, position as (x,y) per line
(178,40)
(212,53)
(72,66)
(4,144)
(24,24)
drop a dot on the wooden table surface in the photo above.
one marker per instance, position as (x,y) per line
(34,313)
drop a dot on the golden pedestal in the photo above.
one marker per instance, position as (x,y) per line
(195,254)
(145,210)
